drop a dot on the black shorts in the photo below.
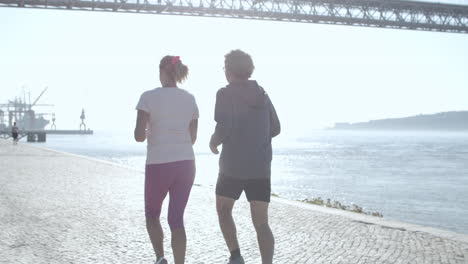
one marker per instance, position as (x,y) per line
(255,190)
(15,135)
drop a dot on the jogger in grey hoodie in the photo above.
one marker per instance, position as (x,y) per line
(246,121)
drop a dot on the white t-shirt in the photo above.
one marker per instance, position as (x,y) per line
(170,112)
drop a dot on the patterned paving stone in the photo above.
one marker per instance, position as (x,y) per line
(59,208)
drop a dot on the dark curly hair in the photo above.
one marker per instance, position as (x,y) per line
(239,63)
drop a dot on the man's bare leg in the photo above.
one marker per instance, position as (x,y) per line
(224,207)
(266,241)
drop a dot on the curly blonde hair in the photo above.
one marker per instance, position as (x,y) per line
(174,68)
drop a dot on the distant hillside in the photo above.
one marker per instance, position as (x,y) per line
(441,121)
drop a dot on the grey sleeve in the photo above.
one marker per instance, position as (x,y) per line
(223,118)
(275,126)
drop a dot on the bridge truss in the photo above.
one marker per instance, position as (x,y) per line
(395,14)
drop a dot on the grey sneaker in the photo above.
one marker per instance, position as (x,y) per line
(238,260)
(161,261)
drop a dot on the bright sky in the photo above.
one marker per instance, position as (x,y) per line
(315,74)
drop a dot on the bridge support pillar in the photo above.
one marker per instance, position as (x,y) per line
(41,137)
(31,137)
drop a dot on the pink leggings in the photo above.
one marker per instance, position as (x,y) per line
(177,179)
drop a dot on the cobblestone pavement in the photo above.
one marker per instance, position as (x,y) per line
(59,208)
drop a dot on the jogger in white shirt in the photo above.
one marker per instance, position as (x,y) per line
(171,116)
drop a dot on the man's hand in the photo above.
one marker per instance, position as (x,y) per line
(214,146)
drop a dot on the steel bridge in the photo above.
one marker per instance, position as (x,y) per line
(413,15)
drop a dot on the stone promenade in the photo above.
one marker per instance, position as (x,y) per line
(61,208)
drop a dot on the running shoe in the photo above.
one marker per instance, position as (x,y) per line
(161,261)
(238,260)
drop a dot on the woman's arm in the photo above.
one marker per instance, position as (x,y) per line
(140,127)
(193,130)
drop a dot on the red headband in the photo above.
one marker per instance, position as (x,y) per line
(175,59)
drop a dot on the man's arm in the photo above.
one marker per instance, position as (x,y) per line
(275,124)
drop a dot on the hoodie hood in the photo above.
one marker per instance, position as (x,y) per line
(249,92)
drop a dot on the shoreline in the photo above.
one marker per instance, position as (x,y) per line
(364,218)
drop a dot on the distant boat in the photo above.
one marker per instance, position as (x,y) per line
(21,112)
(32,124)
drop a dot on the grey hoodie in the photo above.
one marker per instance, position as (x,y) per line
(246,121)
